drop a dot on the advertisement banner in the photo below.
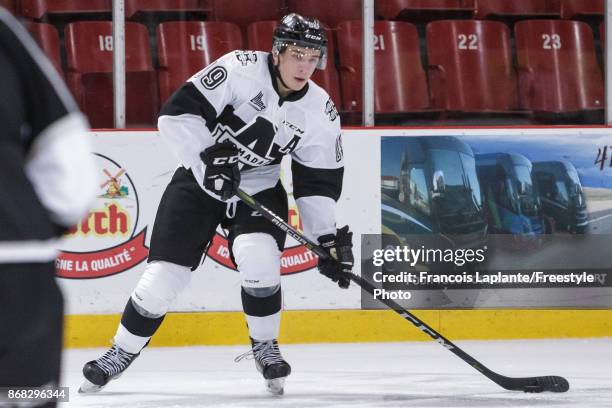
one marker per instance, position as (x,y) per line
(529,217)
(557,220)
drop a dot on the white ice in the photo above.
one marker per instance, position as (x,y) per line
(410,374)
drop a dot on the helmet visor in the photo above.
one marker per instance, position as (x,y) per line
(307,50)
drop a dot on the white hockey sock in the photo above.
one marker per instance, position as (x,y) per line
(129,342)
(264,328)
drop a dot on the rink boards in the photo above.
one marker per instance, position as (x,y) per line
(104,258)
(342,326)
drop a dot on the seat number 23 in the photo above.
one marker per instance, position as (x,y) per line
(551,41)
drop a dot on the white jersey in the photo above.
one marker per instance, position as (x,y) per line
(236,99)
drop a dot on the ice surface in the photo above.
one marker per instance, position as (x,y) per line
(410,374)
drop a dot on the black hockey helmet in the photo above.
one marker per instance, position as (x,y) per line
(295,29)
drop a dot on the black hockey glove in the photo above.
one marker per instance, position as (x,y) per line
(340,247)
(222,174)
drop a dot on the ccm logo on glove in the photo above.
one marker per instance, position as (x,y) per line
(223,161)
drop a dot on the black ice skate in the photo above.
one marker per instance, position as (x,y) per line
(269,363)
(108,367)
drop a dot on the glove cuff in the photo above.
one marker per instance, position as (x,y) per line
(327,240)
(224,154)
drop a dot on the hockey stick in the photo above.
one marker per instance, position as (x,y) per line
(526,384)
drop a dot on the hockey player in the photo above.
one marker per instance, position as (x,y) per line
(47,181)
(230,125)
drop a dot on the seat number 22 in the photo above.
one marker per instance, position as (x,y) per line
(467,42)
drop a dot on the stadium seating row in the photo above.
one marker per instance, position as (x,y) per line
(243,12)
(489,9)
(470,65)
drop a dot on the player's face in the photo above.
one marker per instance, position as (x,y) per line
(296,65)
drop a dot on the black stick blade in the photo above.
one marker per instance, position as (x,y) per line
(549,383)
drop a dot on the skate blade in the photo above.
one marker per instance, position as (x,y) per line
(276,386)
(89,388)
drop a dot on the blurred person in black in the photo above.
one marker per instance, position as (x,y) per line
(47,181)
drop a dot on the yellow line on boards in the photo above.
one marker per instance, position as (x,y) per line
(335,326)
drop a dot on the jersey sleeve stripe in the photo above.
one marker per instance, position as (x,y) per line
(188,99)
(309,181)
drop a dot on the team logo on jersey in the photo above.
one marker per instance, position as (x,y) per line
(330,110)
(105,242)
(257,102)
(253,153)
(339,150)
(213,78)
(246,57)
(255,143)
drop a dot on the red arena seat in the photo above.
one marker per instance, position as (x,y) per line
(330,13)
(582,9)
(89,57)
(517,9)
(134,9)
(37,9)
(259,35)
(424,9)
(9,5)
(471,66)
(260,39)
(47,38)
(184,48)
(245,12)
(557,68)
(400,84)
